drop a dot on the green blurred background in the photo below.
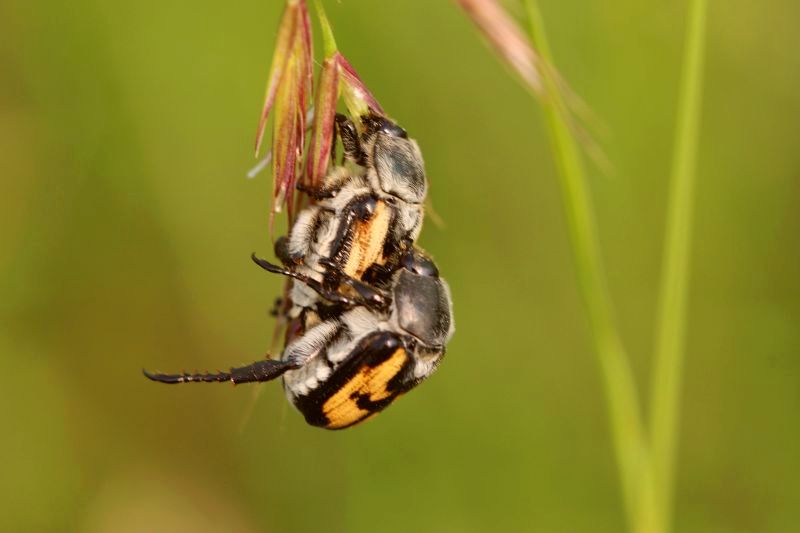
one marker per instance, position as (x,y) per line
(126,224)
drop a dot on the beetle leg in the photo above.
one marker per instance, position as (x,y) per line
(349,135)
(311,282)
(377,274)
(331,184)
(317,193)
(372,297)
(281,250)
(303,235)
(297,354)
(265,370)
(312,342)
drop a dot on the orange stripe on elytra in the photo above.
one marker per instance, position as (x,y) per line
(368,240)
(342,409)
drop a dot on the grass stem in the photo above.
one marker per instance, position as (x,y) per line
(628,434)
(671,320)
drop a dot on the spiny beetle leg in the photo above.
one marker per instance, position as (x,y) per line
(370,296)
(260,371)
(311,282)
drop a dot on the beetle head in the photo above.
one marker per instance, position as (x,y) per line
(419,264)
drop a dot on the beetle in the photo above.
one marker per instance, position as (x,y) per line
(366,213)
(364,354)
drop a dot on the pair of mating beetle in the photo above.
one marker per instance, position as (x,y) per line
(369,317)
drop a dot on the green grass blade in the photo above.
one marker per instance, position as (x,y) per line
(671,322)
(622,396)
(328,41)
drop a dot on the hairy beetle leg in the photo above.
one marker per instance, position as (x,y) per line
(317,193)
(282,252)
(350,142)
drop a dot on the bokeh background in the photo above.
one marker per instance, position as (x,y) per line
(126,222)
